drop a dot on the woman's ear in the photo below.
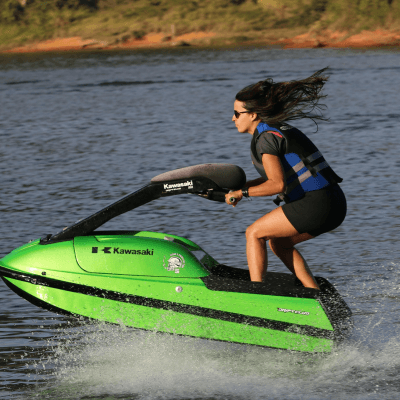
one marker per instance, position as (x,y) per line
(254,117)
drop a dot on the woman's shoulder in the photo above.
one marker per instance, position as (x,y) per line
(270,132)
(270,141)
(264,127)
(280,127)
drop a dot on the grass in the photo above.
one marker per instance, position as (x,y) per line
(239,20)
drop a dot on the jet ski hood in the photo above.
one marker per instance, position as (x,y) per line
(139,253)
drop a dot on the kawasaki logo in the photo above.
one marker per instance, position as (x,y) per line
(178,186)
(117,250)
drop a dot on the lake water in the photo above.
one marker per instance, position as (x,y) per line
(80,130)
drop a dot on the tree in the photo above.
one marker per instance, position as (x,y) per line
(10,11)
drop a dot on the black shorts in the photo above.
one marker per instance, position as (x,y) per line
(317,212)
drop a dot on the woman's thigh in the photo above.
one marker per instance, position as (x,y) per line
(275,224)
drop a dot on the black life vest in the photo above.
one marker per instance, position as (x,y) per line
(305,168)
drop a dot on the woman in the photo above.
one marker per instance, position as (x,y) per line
(291,167)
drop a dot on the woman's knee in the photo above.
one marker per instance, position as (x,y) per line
(249,232)
(253,233)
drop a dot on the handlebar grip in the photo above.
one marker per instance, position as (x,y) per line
(218,196)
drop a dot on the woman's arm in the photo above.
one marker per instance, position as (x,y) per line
(274,185)
(276,178)
(255,182)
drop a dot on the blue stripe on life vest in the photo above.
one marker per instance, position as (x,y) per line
(290,160)
(316,183)
(263,126)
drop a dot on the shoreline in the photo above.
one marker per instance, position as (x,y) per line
(323,39)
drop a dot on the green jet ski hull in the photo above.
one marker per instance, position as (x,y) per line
(166,283)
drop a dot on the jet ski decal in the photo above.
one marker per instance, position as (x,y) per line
(170,187)
(117,250)
(285,310)
(174,263)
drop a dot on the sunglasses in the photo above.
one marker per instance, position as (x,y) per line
(237,113)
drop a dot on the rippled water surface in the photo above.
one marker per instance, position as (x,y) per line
(80,130)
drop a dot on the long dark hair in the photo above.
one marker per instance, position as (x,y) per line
(285,101)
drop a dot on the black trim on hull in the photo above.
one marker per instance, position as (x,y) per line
(171,306)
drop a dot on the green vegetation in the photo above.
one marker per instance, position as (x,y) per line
(363,14)
(23,21)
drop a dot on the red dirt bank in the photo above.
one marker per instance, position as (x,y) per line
(326,38)
(329,38)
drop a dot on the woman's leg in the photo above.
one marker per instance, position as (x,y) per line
(273,226)
(291,257)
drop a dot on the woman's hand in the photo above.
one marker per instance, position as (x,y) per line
(236,196)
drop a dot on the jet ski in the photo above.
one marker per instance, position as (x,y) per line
(165,283)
